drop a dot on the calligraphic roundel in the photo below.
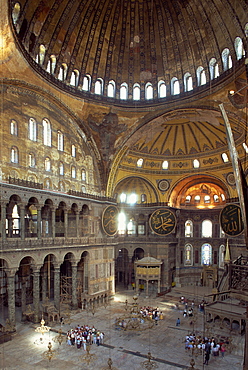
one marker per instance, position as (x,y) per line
(110,220)
(231,220)
(162,221)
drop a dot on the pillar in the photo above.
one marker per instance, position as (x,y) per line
(22,221)
(77,224)
(65,223)
(36,294)
(57,287)
(147,288)
(44,286)
(53,223)
(3,219)
(38,222)
(23,295)
(74,286)
(11,297)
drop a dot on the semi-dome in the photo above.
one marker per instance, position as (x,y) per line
(132,50)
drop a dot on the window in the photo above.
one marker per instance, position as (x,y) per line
(74,78)
(165,165)
(175,86)
(61,168)
(196,163)
(206,255)
(221,256)
(47,164)
(123,91)
(223,197)
(188,255)
(86,83)
(226,59)
(213,68)
(41,56)
(216,198)
(197,199)
(121,223)
(207,229)
(13,127)
(14,156)
(16,12)
(188,82)
(73,151)
(83,175)
(239,48)
(224,157)
(148,91)
(83,189)
(62,72)
(188,199)
(245,148)
(201,76)
(32,129)
(140,162)
(188,229)
(47,132)
(143,198)
(136,92)
(123,197)
(51,64)
(31,160)
(73,172)
(60,141)
(131,227)
(111,89)
(99,86)
(132,198)
(161,89)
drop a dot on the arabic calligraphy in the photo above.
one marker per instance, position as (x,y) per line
(162,221)
(231,220)
(109,220)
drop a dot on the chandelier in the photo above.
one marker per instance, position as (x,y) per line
(42,328)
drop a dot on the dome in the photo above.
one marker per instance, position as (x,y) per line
(141,51)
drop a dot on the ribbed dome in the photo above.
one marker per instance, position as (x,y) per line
(131,41)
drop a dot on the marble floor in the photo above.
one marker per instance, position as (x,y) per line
(129,349)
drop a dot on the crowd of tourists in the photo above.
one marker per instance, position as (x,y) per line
(152,313)
(209,346)
(83,335)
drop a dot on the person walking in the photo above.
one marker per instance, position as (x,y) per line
(178,322)
(222,350)
(207,356)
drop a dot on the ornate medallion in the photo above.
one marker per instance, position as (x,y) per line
(162,221)
(231,220)
(110,220)
(163,185)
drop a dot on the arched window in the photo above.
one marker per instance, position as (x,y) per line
(223,197)
(111,89)
(16,12)
(140,162)
(196,163)
(207,229)
(148,91)
(188,82)
(124,91)
(73,172)
(74,78)
(14,155)
(175,86)
(189,229)
(60,141)
(224,157)
(13,127)
(83,175)
(201,76)
(136,92)
(216,198)
(47,132)
(197,199)
(245,148)
(222,256)
(41,56)
(213,68)
(62,72)
(131,230)
(47,164)
(123,198)
(86,82)
(99,86)
(226,59)
(143,198)
(132,198)
(121,223)
(188,255)
(32,129)
(161,89)
(188,199)
(31,160)
(51,64)
(83,189)
(61,168)
(239,48)
(206,254)
(207,199)
(165,165)
(73,151)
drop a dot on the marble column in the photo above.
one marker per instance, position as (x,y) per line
(77,224)
(53,223)
(65,223)
(36,294)
(22,221)
(74,286)
(38,222)
(44,286)
(23,297)
(57,287)
(11,297)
